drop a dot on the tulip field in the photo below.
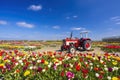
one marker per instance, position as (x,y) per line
(111,48)
(19,64)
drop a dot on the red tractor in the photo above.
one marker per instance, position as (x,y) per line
(73,44)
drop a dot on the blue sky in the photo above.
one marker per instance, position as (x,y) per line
(55,19)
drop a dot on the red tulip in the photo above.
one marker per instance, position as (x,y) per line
(42,61)
(96,69)
(100,76)
(85,71)
(77,67)
(60,58)
(62,73)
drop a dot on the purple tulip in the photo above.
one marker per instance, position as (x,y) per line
(8,66)
(33,62)
(110,69)
(39,69)
(55,67)
(24,68)
(99,57)
(66,65)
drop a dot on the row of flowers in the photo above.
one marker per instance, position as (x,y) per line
(111,48)
(14,47)
(21,65)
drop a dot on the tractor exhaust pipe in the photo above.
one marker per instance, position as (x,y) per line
(71,35)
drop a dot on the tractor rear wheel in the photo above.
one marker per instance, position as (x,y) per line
(87,45)
(72,49)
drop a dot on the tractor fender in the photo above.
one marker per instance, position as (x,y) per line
(82,40)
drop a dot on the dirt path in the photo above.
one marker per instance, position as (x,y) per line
(96,50)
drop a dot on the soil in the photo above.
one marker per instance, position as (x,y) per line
(95,50)
(47,48)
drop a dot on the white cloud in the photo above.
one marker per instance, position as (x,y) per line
(24,24)
(68,17)
(75,16)
(115,18)
(35,7)
(84,31)
(3,22)
(118,23)
(56,27)
(77,28)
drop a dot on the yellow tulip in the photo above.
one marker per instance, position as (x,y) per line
(27,72)
(0,57)
(55,60)
(114,62)
(89,56)
(115,78)
(5,61)
(2,64)
(109,57)
(46,63)
(13,54)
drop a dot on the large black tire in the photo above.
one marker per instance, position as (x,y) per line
(72,49)
(87,45)
(62,48)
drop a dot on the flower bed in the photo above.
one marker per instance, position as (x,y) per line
(58,66)
(26,48)
(10,47)
(111,48)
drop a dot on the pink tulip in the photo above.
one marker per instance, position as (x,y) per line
(70,75)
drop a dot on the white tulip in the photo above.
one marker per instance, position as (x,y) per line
(16,64)
(74,59)
(71,65)
(38,61)
(91,64)
(33,59)
(43,70)
(97,75)
(17,57)
(86,62)
(101,61)
(98,65)
(106,69)
(115,68)
(94,58)
(109,78)
(31,67)
(20,61)
(60,62)
(91,68)
(105,65)
(49,64)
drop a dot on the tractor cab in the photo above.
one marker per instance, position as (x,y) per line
(84,35)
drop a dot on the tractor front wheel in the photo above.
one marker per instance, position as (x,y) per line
(87,45)
(72,49)
(62,48)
